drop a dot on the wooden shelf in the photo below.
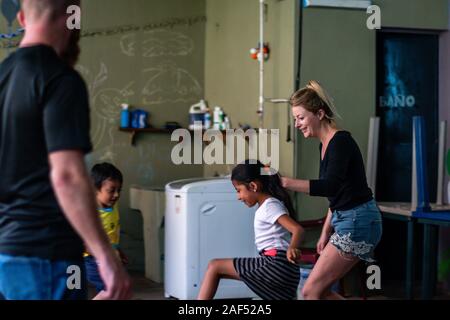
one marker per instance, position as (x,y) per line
(151,130)
(134,131)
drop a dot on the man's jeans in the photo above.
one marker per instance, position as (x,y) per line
(31,278)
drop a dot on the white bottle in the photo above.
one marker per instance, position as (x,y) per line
(227,123)
(197,115)
(207,124)
(217,117)
(203,105)
(222,120)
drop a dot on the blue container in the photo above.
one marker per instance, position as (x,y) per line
(143,116)
(135,119)
(125,118)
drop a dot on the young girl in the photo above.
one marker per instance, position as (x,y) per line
(273,275)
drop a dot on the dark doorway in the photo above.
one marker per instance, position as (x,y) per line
(407,86)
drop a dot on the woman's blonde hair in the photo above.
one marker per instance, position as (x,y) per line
(314,97)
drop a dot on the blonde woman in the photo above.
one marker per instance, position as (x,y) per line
(353,225)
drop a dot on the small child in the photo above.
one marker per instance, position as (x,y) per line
(273,275)
(108,184)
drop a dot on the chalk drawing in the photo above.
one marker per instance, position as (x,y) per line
(166,43)
(105,104)
(106,107)
(9,10)
(126,29)
(128,45)
(107,101)
(157,43)
(96,81)
(169,83)
(108,155)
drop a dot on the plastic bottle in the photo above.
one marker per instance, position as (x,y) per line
(135,118)
(217,117)
(227,123)
(207,120)
(197,114)
(143,116)
(304,274)
(125,116)
(222,120)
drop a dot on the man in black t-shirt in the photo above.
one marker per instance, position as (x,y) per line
(47,205)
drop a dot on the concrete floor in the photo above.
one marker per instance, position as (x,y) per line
(145,289)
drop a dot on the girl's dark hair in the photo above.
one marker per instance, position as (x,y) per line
(104,171)
(251,171)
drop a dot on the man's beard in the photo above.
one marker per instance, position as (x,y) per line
(72,52)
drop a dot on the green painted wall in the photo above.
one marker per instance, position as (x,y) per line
(415,14)
(7,46)
(232,77)
(157,66)
(339,51)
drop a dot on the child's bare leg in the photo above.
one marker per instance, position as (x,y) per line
(217,269)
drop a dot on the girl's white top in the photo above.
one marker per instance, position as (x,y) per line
(268,233)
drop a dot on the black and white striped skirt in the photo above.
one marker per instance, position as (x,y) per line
(271,278)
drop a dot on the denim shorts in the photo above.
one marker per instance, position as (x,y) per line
(357,231)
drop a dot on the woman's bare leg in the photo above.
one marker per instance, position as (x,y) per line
(331,266)
(217,269)
(331,295)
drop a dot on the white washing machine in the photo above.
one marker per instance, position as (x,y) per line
(204,220)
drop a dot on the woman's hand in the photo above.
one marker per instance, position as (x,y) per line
(327,230)
(323,240)
(293,255)
(295,184)
(285,182)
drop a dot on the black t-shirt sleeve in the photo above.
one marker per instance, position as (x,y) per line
(339,155)
(66,114)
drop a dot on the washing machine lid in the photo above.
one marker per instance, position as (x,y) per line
(148,188)
(202,185)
